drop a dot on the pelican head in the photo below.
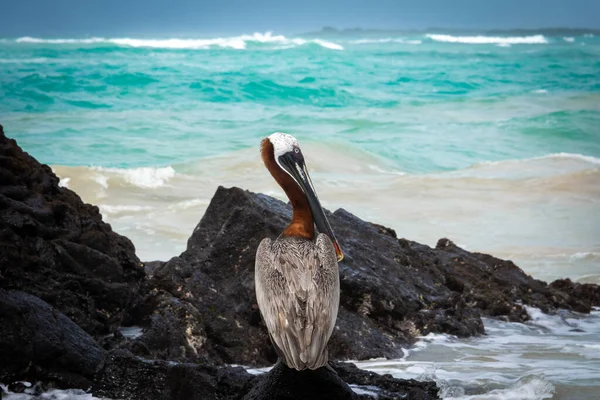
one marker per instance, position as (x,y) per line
(283,158)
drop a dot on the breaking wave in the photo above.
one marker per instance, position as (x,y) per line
(235,42)
(508,40)
(386,40)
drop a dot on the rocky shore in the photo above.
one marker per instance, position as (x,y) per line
(69,284)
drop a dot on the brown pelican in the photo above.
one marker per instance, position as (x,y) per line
(296,276)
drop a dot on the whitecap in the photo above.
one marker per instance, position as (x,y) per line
(234,42)
(328,45)
(553,156)
(143,177)
(569,39)
(534,39)
(29,39)
(385,40)
(527,388)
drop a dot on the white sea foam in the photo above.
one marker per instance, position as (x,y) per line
(55,394)
(143,177)
(28,39)
(569,39)
(534,39)
(527,388)
(131,332)
(101,180)
(235,42)
(571,156)
(372,391)
(64,182)
(328,45)
(553,156)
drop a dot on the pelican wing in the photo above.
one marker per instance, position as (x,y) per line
(298,291)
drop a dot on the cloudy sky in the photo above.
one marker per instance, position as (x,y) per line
(62,18)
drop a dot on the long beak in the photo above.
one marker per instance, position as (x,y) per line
(300,174)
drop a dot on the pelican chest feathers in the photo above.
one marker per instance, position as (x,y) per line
(296,275)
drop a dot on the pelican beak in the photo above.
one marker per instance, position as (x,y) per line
(296,167)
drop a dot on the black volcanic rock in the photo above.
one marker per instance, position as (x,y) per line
(38,342)
(134,378)
(57,248)
(392,290)
(62,269)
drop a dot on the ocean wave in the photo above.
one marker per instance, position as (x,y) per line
(592,161)
(585,256)
(386,40)
(235,42)
(143,177)
(530,387)
(37,60)
(569,39)
(534,39)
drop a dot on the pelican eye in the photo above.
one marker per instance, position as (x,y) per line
(296,150)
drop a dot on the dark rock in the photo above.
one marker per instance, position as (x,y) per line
(17,387)
(392,289)
(386,386)
(57,248)
(41,343)
(135,378)
(283,383)
(582,294)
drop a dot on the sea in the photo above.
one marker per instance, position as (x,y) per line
(491,140)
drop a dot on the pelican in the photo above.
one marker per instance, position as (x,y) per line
(296,275)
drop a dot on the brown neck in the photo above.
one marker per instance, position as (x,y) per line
(302,224)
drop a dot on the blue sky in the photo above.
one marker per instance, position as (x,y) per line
(54,18)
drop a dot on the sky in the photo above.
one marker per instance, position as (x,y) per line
(76,18)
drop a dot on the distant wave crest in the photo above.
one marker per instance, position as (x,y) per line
(236,42)
(386,40)
(508,40)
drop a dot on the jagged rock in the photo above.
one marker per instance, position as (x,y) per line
(57,248)
(135,378)
(392,289)
(38,342)
(283,383)
(582,294)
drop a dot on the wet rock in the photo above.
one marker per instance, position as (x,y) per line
(57,248)
(286,383)
(133,378)
(582,294)
(37,342)
(385,386)
(392,290)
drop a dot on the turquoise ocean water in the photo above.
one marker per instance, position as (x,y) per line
(492,141)
(425,103)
